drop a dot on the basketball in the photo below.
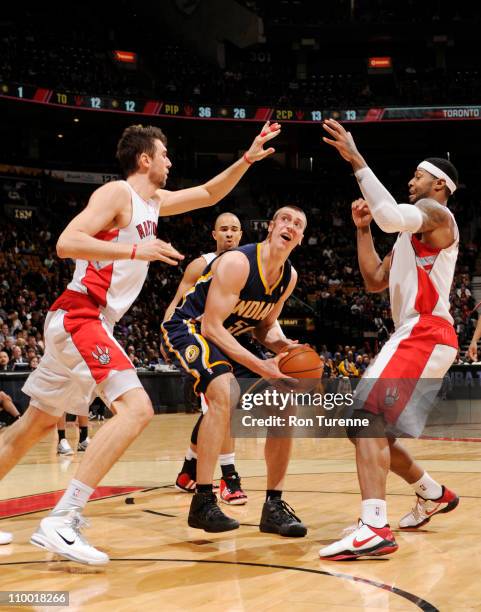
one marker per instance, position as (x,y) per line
(302,362)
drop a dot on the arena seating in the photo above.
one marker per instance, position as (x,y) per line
(273,73)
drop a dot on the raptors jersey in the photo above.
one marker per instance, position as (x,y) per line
(114,285)
(420,278)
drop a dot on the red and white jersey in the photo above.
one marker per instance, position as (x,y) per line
(114,285)
(420,278)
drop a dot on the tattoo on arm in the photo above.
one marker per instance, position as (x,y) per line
(434,215)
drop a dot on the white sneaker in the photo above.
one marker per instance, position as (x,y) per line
(5,537)
(365,541)
(60,534)
(82,446)
(64,448)
(425,509)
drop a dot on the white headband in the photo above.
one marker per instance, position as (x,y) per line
(438,173)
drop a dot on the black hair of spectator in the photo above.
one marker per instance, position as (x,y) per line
(135,140)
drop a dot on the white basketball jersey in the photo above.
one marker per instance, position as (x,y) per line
(420,278)
(209,257)
(114,285)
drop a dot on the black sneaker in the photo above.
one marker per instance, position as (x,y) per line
(205,514)
(278,517)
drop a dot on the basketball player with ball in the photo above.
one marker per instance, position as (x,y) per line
(241,293)
(411,365)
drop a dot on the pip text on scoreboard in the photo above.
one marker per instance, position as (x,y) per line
(218,112)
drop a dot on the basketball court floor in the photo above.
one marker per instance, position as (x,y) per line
(159,563)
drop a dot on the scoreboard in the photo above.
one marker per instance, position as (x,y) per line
(217,112)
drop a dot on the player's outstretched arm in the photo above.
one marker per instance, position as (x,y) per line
(424,216)
(387,213)
(230,276)
(374,271)
(191,274)
(104,211)
(269,332)
(208,194)
(390,216)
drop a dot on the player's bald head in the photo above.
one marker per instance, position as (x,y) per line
(227,218)
(227,231)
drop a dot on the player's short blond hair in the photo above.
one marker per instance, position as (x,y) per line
(292,207)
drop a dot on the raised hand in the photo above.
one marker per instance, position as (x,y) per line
(256,152)
(360,213)
(341,140)
(158,250)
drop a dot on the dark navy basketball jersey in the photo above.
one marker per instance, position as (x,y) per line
(256,300)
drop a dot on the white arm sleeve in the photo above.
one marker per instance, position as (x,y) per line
(390,216)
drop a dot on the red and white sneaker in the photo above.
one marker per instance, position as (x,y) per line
(365,541)
(231,491)
(425,509)
(185,483)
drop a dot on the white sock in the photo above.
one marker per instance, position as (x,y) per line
(427,488)
(76,496)
(374,512)
(227,459)
(190,454)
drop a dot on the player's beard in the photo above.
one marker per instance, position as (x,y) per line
(161,181)
(420,196)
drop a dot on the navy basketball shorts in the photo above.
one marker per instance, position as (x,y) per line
(200,357)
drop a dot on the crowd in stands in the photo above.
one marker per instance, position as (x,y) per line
(33,53)
(330,289)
